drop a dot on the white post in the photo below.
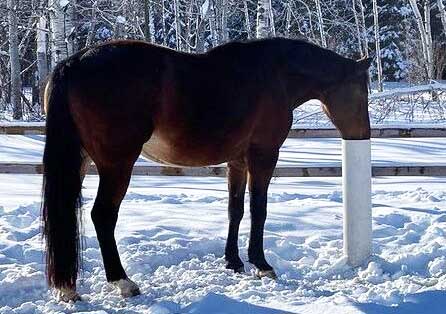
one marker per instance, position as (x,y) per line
(356,181)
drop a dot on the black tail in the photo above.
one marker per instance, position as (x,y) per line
(61,186)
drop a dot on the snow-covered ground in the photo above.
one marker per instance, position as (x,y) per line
(294,152)
(172,230)
(171,234)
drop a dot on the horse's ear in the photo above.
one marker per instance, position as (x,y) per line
(363,65)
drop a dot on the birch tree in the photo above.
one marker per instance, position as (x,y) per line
(163,22)
(14,61)
(176,23)
(149,22)
(424,29)
(247,20)
(70,25)
(442,9)
(201,27)
(321,23)
(377,46)
(358,28)
(223,13)
(59,49)
(41,53)
(265,19)
(364,29)
(213,23)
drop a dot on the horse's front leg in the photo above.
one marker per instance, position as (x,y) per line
(261,164)
(113,185)
(237,172)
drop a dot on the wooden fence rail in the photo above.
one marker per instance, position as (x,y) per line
(220,171)
(377,132)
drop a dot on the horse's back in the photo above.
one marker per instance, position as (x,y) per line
(190,110)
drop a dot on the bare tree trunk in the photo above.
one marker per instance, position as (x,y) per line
(42,58)
(247,21)
(265,20)
(224,21)
(14,62)
(149,23)
(163,22)
(288,19)
(92,30)
(59,49)
(429,43)
(378,46)
(119,26)
(364,29)
(271,19)
(189,22)
(176,23)
(201,26)
(425,35)
(212,23)
(321,23)
(70,27)
(442,10)
(358,28)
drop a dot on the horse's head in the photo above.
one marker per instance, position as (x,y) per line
(346,103)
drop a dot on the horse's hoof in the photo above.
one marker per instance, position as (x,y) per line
(266,273)
(67,295)
(127,288)
(239,270)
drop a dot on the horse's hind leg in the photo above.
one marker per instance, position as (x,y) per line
(237,172)
(261,164)
(113,184)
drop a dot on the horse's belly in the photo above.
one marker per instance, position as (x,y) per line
(185,153)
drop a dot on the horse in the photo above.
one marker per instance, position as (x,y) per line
(232,104)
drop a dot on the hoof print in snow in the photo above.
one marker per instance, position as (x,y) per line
(266,274)
(67,295)
(127,288)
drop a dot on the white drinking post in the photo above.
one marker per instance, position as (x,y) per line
(356,181)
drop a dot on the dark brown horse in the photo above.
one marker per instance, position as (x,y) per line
(232,104)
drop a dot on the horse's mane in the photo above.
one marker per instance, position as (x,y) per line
(303,58)
(319,63)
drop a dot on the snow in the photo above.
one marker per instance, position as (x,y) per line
(204,9)
(120,19)
(171,235)
(64,3)
(294,152)
(409,90)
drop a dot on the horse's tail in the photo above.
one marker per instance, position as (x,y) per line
(61,190)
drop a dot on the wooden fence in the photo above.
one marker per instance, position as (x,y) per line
(377,131)
(280,171)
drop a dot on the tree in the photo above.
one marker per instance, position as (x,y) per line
(265,20)
(149,23)
(41,51)
(321,23)
(247,20)
(442,13)
(14,61)
(59,48)
(425,33)
(378,46)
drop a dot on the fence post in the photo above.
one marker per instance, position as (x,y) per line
(356,183)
